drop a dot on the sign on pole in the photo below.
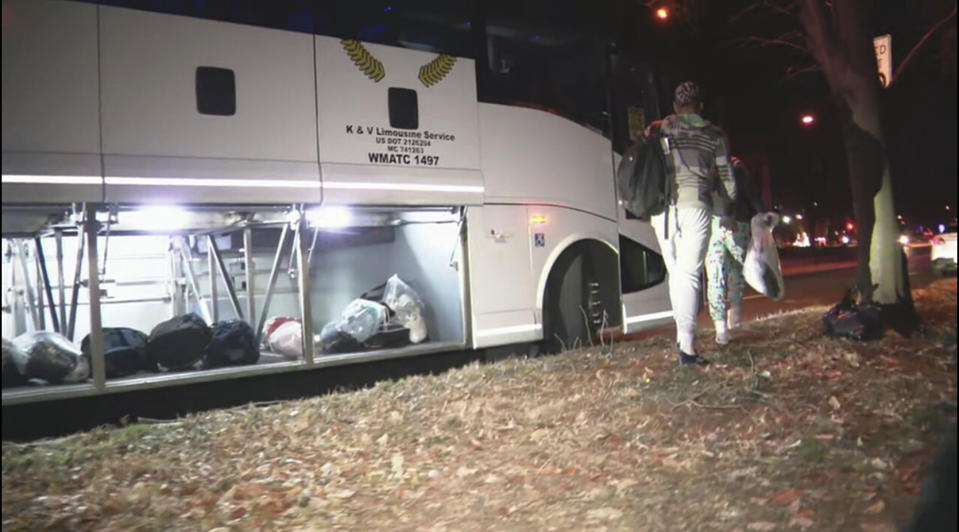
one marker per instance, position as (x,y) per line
(883,46)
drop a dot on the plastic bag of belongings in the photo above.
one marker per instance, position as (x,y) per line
(284,336)
(390,315)
(849,320)
(47,356)
(125,351)
(762,269)
(11,375)
(180,342)
(233,343)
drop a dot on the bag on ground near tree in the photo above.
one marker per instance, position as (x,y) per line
(233,344)
(359,321)
(641,178)
(180,342)
(849,320)
(11,375)
(407,307)
(49,356)
(762,269)
(124,351)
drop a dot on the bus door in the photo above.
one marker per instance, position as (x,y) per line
(634,105)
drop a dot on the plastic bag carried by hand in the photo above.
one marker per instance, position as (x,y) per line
(49,356)
(762,269)
(408,306)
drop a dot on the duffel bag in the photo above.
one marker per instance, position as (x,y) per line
(180,342)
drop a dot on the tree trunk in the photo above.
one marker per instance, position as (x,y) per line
(839,43)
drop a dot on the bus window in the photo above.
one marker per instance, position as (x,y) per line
(540,66)
(639,266)
(441,26)
(635,100)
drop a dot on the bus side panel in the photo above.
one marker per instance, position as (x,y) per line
(396,126)
(502,298)
(203,111)
(532,156)
(51,132)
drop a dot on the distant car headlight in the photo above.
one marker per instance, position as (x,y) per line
(904,240)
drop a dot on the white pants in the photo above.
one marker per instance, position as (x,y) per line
(684,252)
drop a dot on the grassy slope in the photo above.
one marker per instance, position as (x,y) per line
(787,430)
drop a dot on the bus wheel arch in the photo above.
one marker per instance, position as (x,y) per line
(581,294)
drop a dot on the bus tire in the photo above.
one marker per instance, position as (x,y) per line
(579,296)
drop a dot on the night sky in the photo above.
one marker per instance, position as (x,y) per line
(752,96)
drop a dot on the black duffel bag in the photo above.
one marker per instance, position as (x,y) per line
(180,342)
(124,351)
(233,344)
(857,322)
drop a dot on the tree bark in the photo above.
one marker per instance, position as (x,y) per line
(840,44)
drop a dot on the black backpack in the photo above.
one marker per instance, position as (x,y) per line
(180,342)
(233,343)
(642,178)
(125,351)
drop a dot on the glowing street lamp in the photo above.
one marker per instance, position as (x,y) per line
(807,119)
(662,13)
(787,219)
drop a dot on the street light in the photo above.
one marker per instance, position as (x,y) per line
(662,13)
(807,119)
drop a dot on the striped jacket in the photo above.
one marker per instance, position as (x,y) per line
(699,155)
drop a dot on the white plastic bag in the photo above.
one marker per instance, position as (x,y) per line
(762,269)
(285,337)
(51,357)
(407,305)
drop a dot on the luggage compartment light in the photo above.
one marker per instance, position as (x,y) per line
(156,218)
(537,219)
(329,217)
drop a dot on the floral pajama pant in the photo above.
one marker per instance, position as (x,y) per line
(725,255)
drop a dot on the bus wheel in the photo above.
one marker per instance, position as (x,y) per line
(573,310)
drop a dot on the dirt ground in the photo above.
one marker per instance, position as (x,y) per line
(787,430)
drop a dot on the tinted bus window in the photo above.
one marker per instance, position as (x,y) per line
(541,66)
(441,26)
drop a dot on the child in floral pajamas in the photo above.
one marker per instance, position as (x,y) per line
(726,253)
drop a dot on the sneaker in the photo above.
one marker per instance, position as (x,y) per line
(734,318)
(691,360)
(722,333)
(722,337)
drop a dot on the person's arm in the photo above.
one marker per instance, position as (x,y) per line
(724,167)
(747,188)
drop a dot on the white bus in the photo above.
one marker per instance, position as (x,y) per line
(160,163)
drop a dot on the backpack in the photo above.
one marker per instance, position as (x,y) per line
(125,351)
(180,342)
(642,178)
(233,343)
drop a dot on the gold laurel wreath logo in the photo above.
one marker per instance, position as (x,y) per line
(430,74)
(433,72)
(364,60)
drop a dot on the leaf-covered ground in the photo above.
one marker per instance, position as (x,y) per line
(787,430)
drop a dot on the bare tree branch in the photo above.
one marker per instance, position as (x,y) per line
(759,42)
(822,42)
(915,49)
(786,7)
(794,72)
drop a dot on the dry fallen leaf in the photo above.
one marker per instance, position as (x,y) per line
(876,507)
(761,526)
(786,497)
(834,403)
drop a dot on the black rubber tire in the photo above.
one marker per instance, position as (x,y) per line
(568,296)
